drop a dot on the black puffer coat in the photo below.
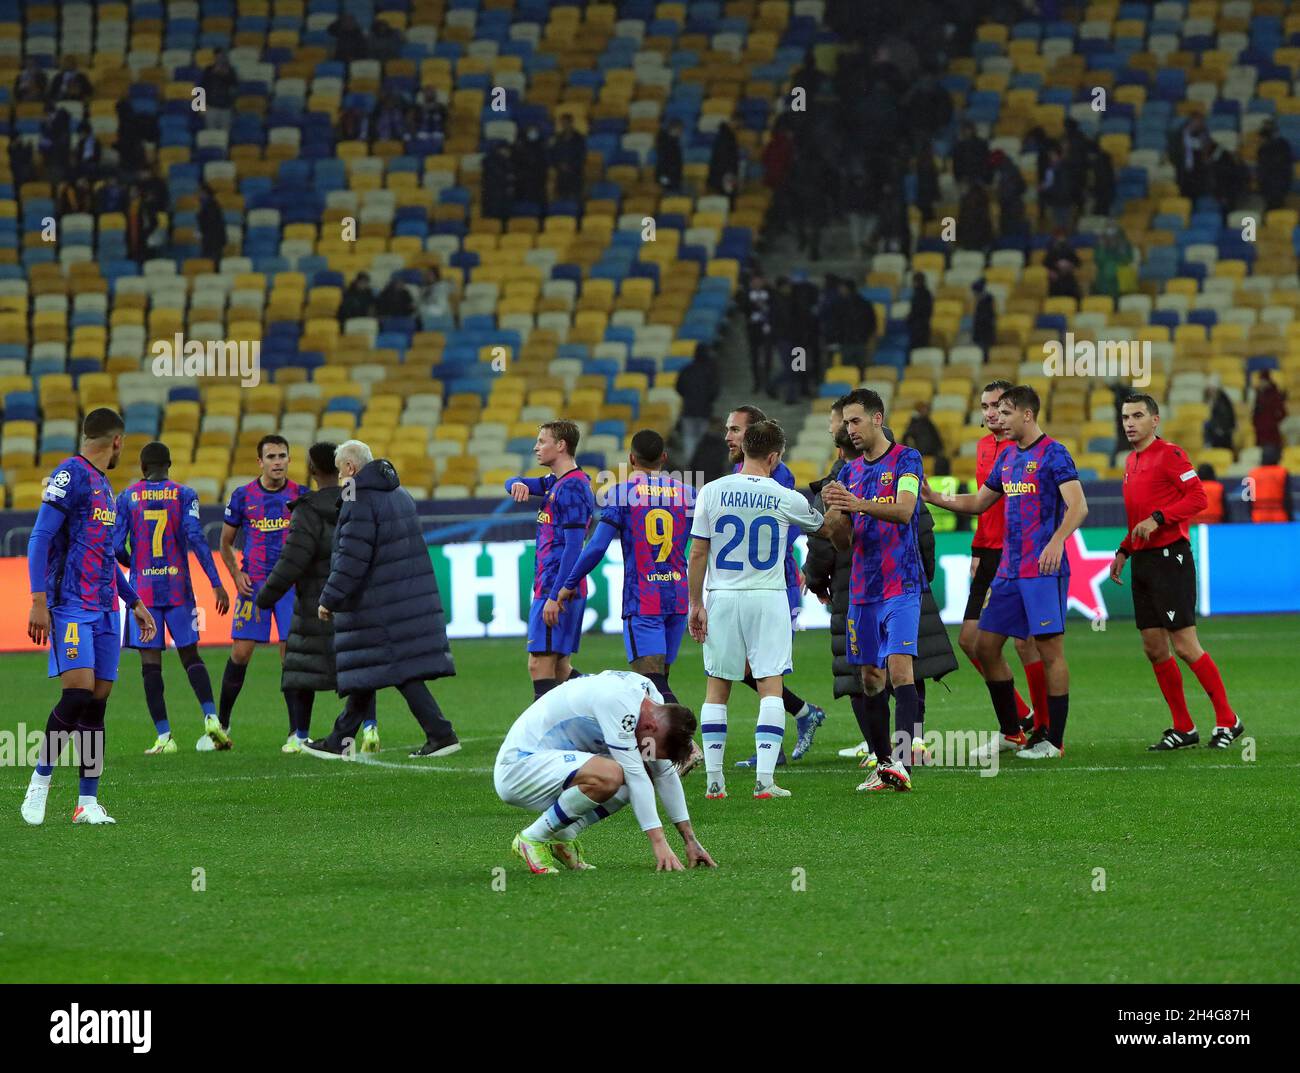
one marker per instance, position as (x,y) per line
(303,566)
(389,624)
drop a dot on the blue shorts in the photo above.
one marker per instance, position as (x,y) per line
(885,628)
(563,638)
(179,622)
(250,623)
(82,639)
(653,635)
(1025,606)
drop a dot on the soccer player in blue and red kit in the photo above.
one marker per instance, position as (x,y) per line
(158,526)
(808,717)
(879,492)
(648,514)
(260,510)
(76,584)
(1044,505)
(554,633)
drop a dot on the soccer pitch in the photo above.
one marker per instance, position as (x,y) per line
(315,871)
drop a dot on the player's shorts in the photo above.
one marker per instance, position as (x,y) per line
(535,780)
(653,635)
(1025,606)
(882,629)
(563,638)
(1164,587)
(82,639)
(179,623)
(252,623)
(986,570)
(747,625)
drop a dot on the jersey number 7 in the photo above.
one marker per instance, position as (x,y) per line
(159,520)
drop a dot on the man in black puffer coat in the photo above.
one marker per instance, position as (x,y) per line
(390,629)
(303,566)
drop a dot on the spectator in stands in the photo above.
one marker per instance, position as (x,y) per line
(141,224)
(569,159)
(70,84)
(31,84)
(778,159)
(1103,182)
(698,385)
(75,197)
(724,163)
(1010,189)
(435,301)
(358,299)
(782,319)
(497,192)
(974,224)
(1213,512)
(54,143)
(857,208)
(923,435)
(984,326)
(1221,426)
(1229,178)
(154,190)
(757,305)
(529,161)
(1062,264)
(85,160)
(389,120)
(1269,484)
(808,77)
(712,457)
(385,41)
(1056,194)
(212,225)
(810,184)
(1114,261)
(855,326)
(349,39)
(131,138)
(1189,150)
(668,157)
(20,160)
(111,196)
(918,317)
(354,124)
(394,300)
(1076,155)
(805,328)
(893,229)
(1269,412)
(1273,166)
(970,156)
(219,81)
(927,183)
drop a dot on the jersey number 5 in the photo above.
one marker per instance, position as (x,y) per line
(731,521)
(659,533)
(158,519)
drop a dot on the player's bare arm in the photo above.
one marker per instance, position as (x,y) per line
(144,620)
(222,599)
(899,511)
(242,584)
(519,492)
(665,859)
(698,622)
(1076,509)
(38,620)
(696,854)
(965,503)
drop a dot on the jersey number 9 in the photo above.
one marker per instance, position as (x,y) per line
(659,533)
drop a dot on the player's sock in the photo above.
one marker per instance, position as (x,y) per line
(573,673)
(713,729)
(1207,673)
(153,696)
(60,727)
(1170,679)
(859,703)
(661,684)
(542,686)
(572,805)
(1058,709)
(907,706)
(299,702)
(201,683)
(1022,709)
(602,811)
(768,736)
(232,681)
(878,726)
(90,747)
(1004,706)
(1037,675)
(793,703)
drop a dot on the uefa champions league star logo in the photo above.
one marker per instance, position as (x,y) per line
(628,723)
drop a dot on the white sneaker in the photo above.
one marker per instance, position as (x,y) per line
(856,752)
(34,803)
(770,789)
(872,782)
(1044,750)
(293,745)
(205,745)
(999,743)
(92,813)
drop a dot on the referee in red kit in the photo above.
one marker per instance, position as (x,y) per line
(1161,494)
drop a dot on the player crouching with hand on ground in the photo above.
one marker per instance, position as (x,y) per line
(582,751)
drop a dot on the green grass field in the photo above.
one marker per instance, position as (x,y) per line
(345,872)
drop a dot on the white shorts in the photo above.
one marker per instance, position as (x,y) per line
(747,625)
(535,780)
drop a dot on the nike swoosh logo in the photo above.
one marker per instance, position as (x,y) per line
(906,643)
(1046,622)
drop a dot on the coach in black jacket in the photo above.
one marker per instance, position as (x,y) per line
(390,629)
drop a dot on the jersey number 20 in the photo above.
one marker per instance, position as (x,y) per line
(731,521)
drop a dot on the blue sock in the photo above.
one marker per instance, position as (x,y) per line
(89,786)
(369,724)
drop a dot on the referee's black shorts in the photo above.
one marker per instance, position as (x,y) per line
(1164,587)
(986,569)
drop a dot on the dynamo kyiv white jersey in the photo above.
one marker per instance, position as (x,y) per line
(746,521)
(596,713)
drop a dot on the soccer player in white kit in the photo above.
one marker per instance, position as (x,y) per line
(738,543)
(585,749)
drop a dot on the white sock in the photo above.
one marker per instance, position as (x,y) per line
(571,805)
(768,735)
(40,780)
(601,812)
(713,729)
(83,800)
(803,712)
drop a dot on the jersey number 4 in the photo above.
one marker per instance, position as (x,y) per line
(732,522)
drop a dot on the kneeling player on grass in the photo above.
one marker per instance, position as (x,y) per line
(739,536)
(1045,504)
(582,751)
(1161,494)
